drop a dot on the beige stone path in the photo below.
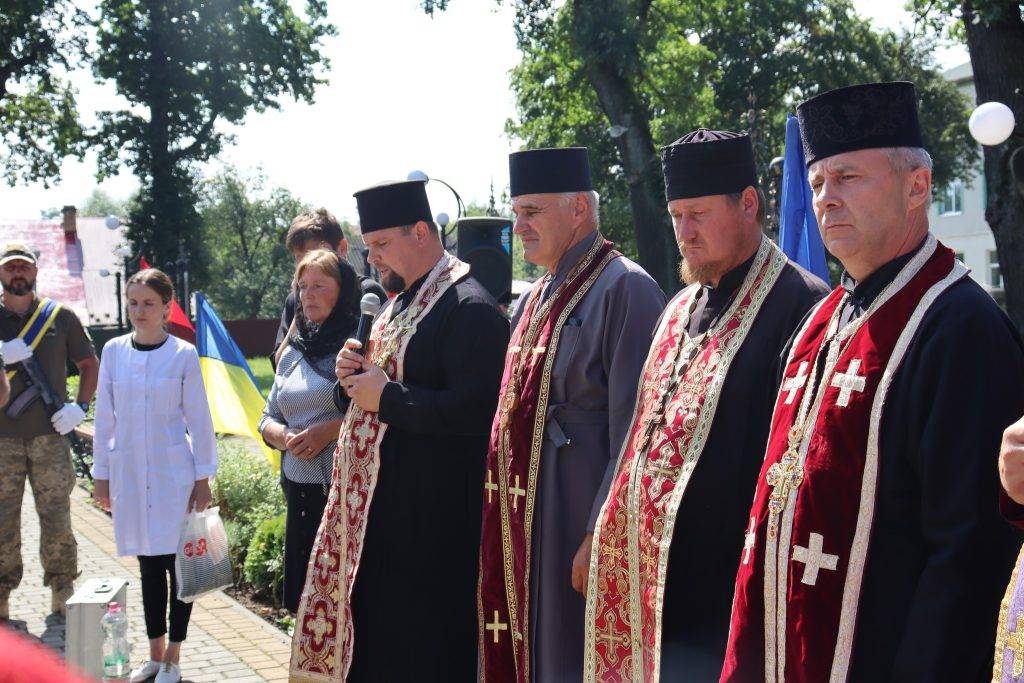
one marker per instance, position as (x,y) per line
(226,642)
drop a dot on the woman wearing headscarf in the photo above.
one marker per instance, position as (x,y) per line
(300,417)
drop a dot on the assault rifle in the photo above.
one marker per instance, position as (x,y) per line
(37,386)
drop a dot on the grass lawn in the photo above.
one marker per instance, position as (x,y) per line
(260,367)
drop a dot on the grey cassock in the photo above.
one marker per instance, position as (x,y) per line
(593,388)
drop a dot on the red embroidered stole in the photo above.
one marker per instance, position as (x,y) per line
(799,579)
(513,461)
(322,645)
(676,403)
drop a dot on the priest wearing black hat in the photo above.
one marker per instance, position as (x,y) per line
(578,343)
(875,550)
(390,593)
(658,600)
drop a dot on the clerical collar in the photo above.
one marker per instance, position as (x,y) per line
(862,294)
(573,255)
(731,281)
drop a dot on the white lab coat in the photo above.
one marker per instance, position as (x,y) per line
(154,439)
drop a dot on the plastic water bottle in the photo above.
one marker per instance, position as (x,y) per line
(116,660)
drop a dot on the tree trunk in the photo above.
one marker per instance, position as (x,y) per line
(655,243)
(995,48)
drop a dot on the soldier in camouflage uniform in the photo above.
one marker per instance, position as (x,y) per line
(31,444)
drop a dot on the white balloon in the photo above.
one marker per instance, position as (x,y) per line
(991,123)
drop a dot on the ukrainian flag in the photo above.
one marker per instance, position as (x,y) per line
(235,401)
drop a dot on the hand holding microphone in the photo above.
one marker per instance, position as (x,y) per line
(350,362)
(363,381)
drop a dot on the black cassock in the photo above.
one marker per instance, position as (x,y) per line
(414,601)
(712,515)
(940,554)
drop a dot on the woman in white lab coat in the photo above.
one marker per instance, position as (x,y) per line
(153,454)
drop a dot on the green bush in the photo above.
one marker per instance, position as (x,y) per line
(264,563)
(247,491)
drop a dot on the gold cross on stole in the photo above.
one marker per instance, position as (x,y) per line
(490,485)
(496,626)
(783,477)
(516,492)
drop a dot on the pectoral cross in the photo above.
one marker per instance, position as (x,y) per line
(795,383)
(489,485)
(748,541)
(516,492)
(508,405)
(783,477)
(848,382)
(1015,644)
(814,559)
(496,626)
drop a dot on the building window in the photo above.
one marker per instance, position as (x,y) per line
(951,199)
(995,278)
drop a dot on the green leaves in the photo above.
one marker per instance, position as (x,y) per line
(39,123)
(189,68)
(244,225)
(719,64)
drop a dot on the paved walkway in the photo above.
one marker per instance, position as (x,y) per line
(226,642)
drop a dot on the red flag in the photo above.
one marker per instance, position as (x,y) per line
(178,323)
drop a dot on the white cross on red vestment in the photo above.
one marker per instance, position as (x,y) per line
(748,541)
(795,383)
(848,382)
(814,559)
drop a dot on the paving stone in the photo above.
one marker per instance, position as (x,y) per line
(226,642)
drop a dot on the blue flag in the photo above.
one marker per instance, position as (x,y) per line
(798,228)
(236,403)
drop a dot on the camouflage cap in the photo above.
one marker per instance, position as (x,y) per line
(14,251)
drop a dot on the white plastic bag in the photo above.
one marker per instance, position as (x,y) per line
(202,564)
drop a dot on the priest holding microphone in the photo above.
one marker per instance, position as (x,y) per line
(394,567)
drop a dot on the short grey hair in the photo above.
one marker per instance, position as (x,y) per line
(907,159)
(593,200)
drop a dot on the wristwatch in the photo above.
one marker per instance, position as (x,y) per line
(84,405)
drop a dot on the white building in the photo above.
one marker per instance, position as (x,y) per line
(957,216)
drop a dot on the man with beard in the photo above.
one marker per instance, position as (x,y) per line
(675,514)
(581,335)
(875,550)
(32,444)
(390,591)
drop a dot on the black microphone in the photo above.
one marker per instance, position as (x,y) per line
(369,306)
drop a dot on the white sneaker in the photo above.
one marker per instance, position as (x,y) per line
(144,672)
(169,673)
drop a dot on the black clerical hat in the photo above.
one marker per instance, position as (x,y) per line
(859,117)
(543,171)
(392,204)
(707,162)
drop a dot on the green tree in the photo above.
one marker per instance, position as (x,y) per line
(187,68)
(101,204)
(39,126)
(994,33)
(244,223)
(624,77)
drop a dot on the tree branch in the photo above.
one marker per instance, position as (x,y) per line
(201,138)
